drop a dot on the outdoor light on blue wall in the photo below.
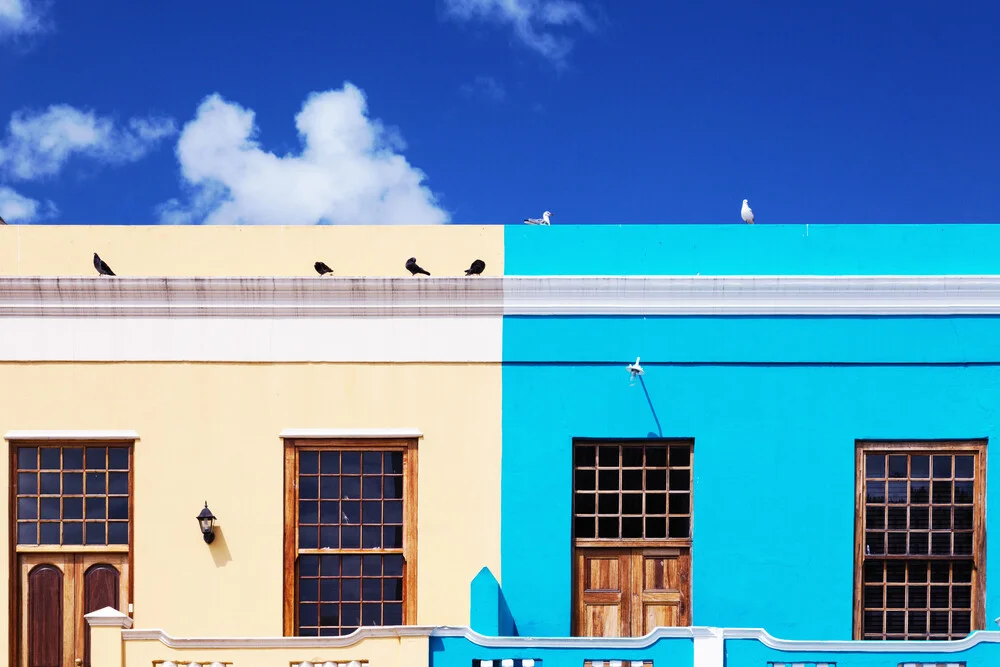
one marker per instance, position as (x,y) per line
(634,371)
(206,521)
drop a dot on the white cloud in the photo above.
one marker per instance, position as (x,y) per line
(349,170)
(19,17)
(532,21)
(15,207)
(486,87)
(40,144)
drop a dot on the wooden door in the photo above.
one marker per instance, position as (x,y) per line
(628,592)
(57,590)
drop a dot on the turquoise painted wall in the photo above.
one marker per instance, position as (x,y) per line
(745,249)
(767,400)
(460,652)
(752,653)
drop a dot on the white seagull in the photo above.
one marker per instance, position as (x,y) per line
(747,213)
(544,220)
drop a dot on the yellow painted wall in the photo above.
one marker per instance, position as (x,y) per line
(210,432)
(445,250)
(379,652)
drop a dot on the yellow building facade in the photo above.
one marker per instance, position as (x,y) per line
(225,389)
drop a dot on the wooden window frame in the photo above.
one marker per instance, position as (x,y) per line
(976,447)
(291,517)
(15,550)
(640,542)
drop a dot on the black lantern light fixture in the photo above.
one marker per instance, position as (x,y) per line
(206,520)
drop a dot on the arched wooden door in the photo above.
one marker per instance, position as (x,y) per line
(57,590)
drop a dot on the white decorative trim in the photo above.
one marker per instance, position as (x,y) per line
(332,433)
(71,435)
(253,339)
(108,617)
(883,646)
(359,635)
(573,642)
(275,297)
(710,651)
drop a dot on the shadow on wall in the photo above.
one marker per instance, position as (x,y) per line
(659,428)
(219,548)
(489,614)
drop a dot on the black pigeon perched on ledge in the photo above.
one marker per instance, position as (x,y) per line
(476,269)
(101,266)
(322,269)
(414,268)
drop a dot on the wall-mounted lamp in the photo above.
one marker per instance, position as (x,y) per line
(634,371)
(206,520)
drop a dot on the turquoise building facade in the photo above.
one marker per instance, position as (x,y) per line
(776,405)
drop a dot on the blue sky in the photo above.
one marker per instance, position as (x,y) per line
(489,111)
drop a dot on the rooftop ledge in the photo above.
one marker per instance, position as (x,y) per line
(95,296)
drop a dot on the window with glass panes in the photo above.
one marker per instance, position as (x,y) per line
(920,540)
(350,536)
(72,495)
(632,490)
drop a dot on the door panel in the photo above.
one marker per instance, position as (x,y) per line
(660,581)
(101,583)
(628,592)
(57,589)
(45,616)
(602,592)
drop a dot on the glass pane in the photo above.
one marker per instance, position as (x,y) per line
(919,518)
(350,512)
(49,458)
(27,533)
(607,527)
(897,492)
(393,615)
(72,483)
(875,466)
(963,493)
(656,527)
(350,537)
(607,480)
(656,456)
(49,533)
(632,503)
(584,456)
(329,566)
(963,518)
(963,467)
(308,511)
(72,508)
(371,537)
(329,614)
(308,589)
(351,589)
(27,508)
(920,466)
(585,480)
(371,590)
(875,492)
(897,518)
(656,503)
(680,480)
(329,512)
(586,503)
(394,463)
(350,616)
(393,565)
(308,462)
(393,511)
(897,465)
(874,543)
(942,466)
(371,463)
(371,614)
(118,483)
(308,487)
(308,537)
(329,590)
(607,503)
(118,532)
(371,512)
(920,493)
(329,537)
(308,614)
(371,487)
(351,566)
(72,532)
(96,458)
(118,458)
(351,463)
(656,480)
(27,482)
(95,532)
(632,457)
(393,487)
(352,488)
(95,508)
(963,543)
(73,458)
(583,527)
(392,589)
(680,456)
(118,508)
(50,482)
(679,527)
(329,462)
(308,566)
(27,458)
(49,508)
(607,456)
(918,544)
(95,483)
(392,537)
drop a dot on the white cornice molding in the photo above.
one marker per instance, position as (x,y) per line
(108,617)
(359,433)
(495,296)
(356,637)
(465,632)
(886,646)
(55,434)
